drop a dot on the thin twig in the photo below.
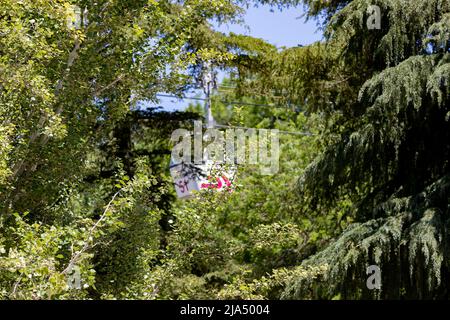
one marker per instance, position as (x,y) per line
(119,78)
(86,245)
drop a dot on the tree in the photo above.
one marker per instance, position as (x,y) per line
(389,150)
(247,243)
(82,164)
(70,74)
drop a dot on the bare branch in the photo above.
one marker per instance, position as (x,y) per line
(86,245)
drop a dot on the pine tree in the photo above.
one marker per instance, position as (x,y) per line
(388,149)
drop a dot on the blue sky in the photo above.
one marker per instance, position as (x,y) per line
(282,28)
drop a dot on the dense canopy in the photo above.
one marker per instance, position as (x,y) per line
(88,208)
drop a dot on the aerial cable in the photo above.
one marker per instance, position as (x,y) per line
(223,101)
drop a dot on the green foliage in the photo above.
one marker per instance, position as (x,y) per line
(389,154)
(84,184)
(247,243)
(67,94)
